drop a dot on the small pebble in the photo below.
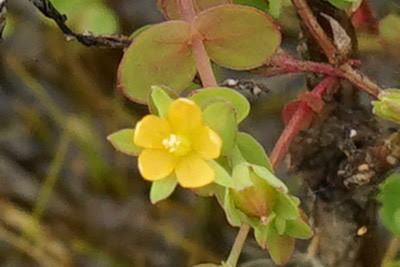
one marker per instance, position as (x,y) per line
(353,133)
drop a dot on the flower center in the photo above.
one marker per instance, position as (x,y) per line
(177,145)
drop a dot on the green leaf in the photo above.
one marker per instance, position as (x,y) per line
(123,142)
(138,31)
(252,151)
(269,177)
(257,200)
(259,4)
(163,188)
(98,19)
(280,225)
(241,176)
(389,29)
(238,37)
(232,214)
(280,247)
(298,229)
(208,96)
(222,177)
(260,234)
(170,8)
(221,118)
(342,4)
(285,208)
(161,100)
(161,55)
(274,8)
(207,265)
(389,196)
(392,264)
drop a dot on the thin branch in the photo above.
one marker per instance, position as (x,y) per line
(87,39)
(282,63)
(302,115)
(203,62)
(391,251)
(3,12)
(331,51)
(304,11)
(238,245)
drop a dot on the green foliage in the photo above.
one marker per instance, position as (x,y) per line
(211,95)
(163,188)
(388,106)
(161,101)
(280,247)
(285,207)
(171,11)
(252,151)
(159,55)
(298,229)
(90,15)
(389,196)
(259,4)
(241,176)
(238,37)
(231,212)
(273,7)
(235,37)
(393,264)
(222,177)
(221,118)
(123,142)
(138,31)
(256,200)
(99,19)
(270,178)
(389,29)
(342,4)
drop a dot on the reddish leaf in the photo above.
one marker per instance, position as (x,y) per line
(289,110)
(313,100)
(170,8)
(161,55)
(238,37)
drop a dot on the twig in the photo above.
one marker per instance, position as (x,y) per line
(332,53)
(87,39)
(282,63)
(238,245)
(3,12)
(330,50)
(295,124)
(203,62)
(391,251)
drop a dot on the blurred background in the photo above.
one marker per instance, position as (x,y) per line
(67,198)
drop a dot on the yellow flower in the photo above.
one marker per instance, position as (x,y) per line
(180,143)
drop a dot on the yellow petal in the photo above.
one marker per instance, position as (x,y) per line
(184,115)
(207,143)
(150,131)
(155,164)
(193,172)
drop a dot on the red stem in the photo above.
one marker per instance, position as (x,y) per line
(203,62)
(302,114)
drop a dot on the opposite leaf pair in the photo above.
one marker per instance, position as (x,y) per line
(235,37)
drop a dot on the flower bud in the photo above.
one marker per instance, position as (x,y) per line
(388,106)
(257,200)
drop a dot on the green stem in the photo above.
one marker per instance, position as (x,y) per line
(238,245)
(46,190)
(203,62)
(207,77)
(391,251)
